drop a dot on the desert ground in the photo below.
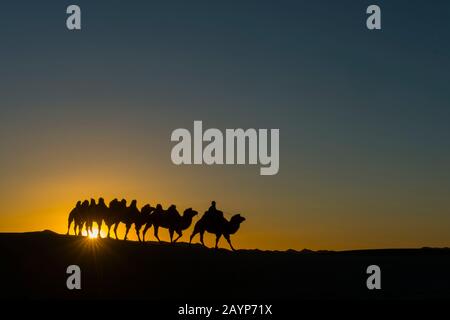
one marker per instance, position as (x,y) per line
(34,266)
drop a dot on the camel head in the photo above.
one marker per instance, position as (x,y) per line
(189,213)
(237,218)
(113,202)
(186,219)
(235,222)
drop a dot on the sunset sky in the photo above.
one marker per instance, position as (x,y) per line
(364,116)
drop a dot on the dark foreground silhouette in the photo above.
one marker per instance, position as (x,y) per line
(33,265)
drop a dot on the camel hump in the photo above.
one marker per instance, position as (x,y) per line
(77,206)
(172,211)
(147,209)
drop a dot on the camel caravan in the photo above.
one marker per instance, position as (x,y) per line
(86,213)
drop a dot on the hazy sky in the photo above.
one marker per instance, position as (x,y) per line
(363,116)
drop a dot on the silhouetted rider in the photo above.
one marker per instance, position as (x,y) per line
(213,212)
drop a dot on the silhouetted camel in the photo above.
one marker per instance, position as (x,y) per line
(217,225)
(119,211)
(90,216)
(131,215)
(78,216)
(111,217)
(137,217)
(171,220)
(82,219)
(73,215)
(144,218)
(148,219)
(99,214)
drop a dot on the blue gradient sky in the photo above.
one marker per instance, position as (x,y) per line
(363,116)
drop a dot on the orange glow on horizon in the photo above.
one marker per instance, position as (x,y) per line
(274,221)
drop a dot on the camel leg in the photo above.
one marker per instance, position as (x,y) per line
(179,235)
(74,228)
(68,227)
(91,228)
(193,235)
(201,237)
(138,233)
(126,232)
(156,233)
(115,230)
(171,235)
(227,236)
(88,229)
(109,230)
(147,226)
(217,239)
(99,224)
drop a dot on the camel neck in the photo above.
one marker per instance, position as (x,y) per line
(185,221)
(233,227)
